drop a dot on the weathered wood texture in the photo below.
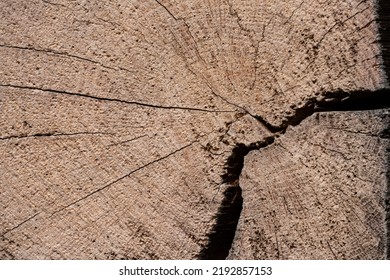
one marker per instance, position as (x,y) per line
(318,191)
(117,117)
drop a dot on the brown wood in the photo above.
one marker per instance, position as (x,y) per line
(119,118)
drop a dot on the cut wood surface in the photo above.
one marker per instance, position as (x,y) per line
(120,120)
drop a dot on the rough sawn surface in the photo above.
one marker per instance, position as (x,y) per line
(117,117)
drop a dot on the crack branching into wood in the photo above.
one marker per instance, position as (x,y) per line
(223,231)
(222,234)
(362,100)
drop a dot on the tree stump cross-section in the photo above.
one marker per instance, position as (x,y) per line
(196,129)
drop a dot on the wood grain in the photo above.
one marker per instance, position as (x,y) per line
(117,118)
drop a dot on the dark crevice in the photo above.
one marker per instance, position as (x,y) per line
(223,232)
(356,101)
(362,100)
(235,161)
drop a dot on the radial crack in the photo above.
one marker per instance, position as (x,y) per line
(122,177)
(65,54)
(166,9)
(83,95)
(20,224)
(52,134)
